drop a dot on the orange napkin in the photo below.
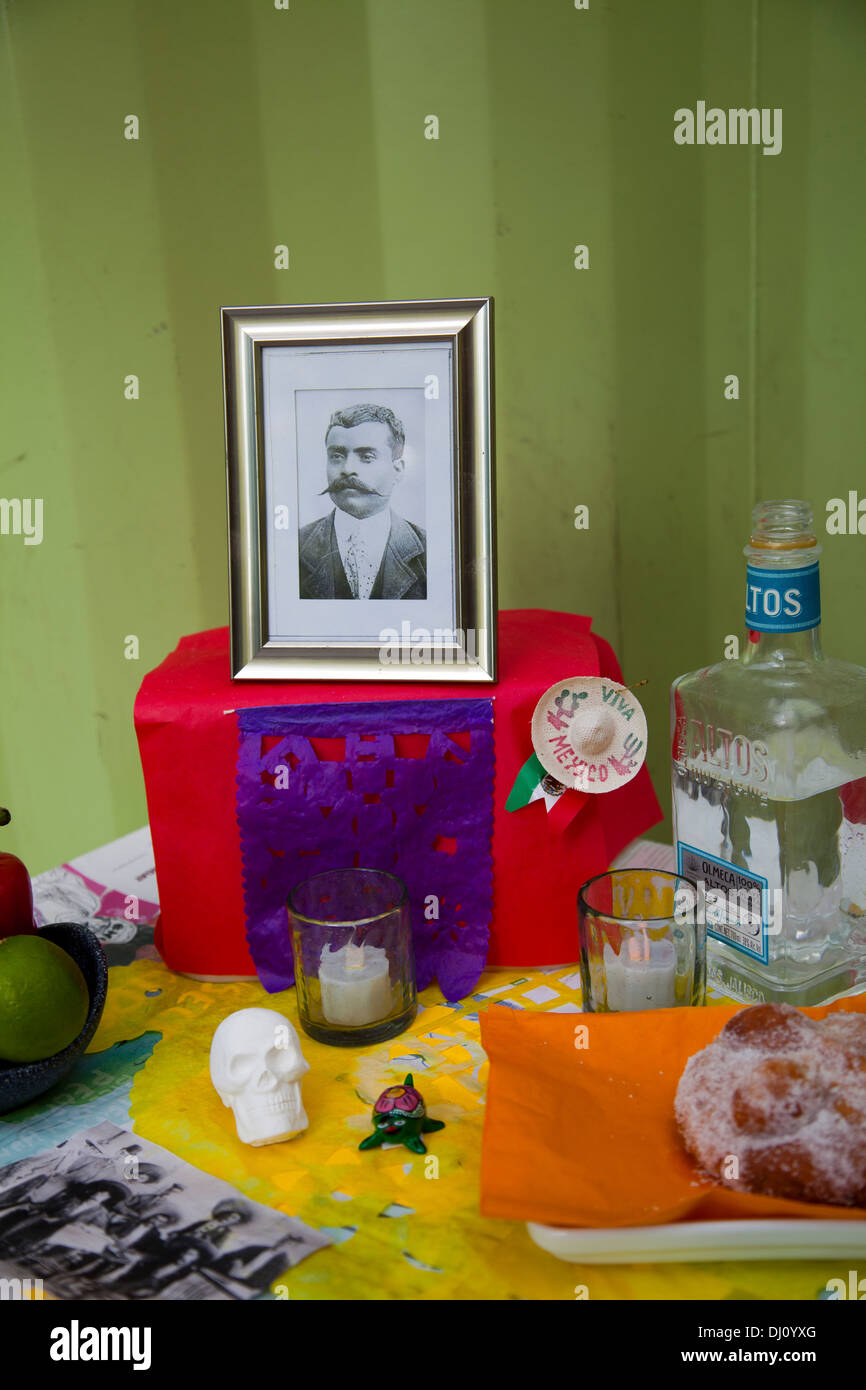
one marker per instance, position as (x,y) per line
(586,1135)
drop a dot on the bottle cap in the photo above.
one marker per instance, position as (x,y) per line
(590,733)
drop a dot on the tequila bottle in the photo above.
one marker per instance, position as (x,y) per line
(769,785)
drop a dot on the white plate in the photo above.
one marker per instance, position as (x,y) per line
(702,1240)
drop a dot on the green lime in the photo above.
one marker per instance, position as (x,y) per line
(44,999)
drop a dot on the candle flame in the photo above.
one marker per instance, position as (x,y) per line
(638,947)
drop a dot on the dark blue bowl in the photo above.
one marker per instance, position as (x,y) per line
(21,1082)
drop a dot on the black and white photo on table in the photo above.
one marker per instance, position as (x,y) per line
(109,1215)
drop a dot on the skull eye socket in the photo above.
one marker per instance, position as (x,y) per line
(281,1061)
(240,1067)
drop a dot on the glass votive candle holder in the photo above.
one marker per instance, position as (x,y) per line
(354,962)
(642,941)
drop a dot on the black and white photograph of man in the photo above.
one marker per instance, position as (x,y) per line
(360,473)
(363,548)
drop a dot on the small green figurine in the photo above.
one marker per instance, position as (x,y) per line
(400,1116)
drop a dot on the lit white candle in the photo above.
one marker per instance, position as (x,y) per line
(356,985)
(642,975)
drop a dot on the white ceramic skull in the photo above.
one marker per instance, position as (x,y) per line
(256,1065)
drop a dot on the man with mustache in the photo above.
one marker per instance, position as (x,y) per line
(363,549)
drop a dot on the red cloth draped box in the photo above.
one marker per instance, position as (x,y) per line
(188,730)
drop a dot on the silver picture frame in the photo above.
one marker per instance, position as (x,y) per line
(462,651)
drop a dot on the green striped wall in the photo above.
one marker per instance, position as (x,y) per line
(306,126)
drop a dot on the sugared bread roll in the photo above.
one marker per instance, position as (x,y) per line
(777,1104)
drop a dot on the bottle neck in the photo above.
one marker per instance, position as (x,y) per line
(783,609)
(763,647)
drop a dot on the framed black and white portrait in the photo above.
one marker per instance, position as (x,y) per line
(359,447)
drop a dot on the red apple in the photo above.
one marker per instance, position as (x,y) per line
(16,895)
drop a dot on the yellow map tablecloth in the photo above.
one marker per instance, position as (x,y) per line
(404,1226)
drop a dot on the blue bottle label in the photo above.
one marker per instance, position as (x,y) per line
(782,600)
(736,901)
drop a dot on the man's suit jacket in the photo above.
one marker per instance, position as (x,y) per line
(402,573)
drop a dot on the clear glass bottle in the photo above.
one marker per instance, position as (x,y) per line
(769,785)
